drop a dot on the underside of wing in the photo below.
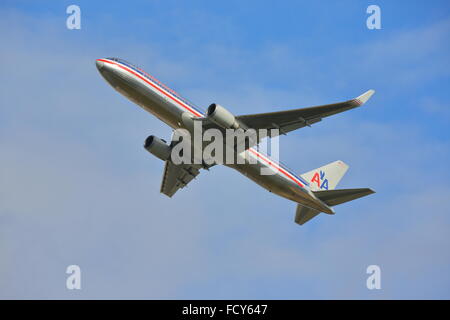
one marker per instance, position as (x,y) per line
(177,176)
(290,120)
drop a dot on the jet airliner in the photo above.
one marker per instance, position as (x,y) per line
(314,191)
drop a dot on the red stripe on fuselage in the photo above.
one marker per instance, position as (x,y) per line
(270,163)
(154,86)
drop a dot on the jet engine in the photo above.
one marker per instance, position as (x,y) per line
(157,147)
(222,117)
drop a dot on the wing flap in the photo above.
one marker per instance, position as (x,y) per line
(176,177)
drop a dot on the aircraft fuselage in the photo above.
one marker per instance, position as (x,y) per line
(169,107)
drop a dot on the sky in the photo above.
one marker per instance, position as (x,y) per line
(78,188)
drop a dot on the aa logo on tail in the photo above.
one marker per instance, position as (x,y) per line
(319,179)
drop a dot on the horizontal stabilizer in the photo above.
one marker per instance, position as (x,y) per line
(335,197)
(304,214)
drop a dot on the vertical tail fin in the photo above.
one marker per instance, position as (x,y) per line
(326,177)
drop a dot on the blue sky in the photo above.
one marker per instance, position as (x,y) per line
(76,186)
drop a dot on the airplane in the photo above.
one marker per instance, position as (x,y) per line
(313,192)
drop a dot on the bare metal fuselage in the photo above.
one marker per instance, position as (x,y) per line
(169,107)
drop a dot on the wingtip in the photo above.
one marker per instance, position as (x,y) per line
(365,96)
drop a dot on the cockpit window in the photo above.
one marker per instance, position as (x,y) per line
(120,60)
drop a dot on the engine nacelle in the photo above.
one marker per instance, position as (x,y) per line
(157,147)
(222,117)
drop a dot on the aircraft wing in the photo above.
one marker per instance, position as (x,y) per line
(177,176)
(290,120)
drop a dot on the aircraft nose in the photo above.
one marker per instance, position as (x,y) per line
(99,64)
